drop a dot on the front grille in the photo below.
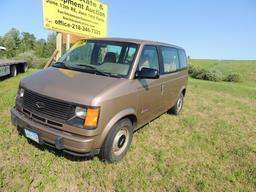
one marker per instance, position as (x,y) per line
(48,106)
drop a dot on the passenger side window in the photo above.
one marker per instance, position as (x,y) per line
(183,58)
(170,59)
(149,58)
(82,54)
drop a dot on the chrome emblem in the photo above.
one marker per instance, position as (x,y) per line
(40,105)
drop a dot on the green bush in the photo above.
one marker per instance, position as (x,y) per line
(194,71)
(233,77)
(33,60)
(200,74)
(203,74)
(191,69)
(213,76)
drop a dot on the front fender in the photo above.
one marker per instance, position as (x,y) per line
(114,120)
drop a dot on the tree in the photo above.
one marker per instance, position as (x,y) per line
(40,48)
(17,43)
(45,49)
(50,45)
(10,44)
(27,42)
(15,34)
(11,41)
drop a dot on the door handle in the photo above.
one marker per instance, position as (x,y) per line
(162,89)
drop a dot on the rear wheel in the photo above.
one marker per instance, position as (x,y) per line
(118,141)
(13,71)
(177,108)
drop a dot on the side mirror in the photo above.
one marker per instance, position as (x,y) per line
(147,73)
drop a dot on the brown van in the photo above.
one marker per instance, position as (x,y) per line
(92,100)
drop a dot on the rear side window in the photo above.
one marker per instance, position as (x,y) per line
(149,58)
(170,59)
(183,58)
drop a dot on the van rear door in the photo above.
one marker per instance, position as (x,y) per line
(173,75)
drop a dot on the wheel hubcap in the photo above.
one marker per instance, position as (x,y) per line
(120,141)
(179,104)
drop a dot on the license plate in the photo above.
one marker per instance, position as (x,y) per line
(31,135)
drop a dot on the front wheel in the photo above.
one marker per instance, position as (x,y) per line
(118,141)
(177,108)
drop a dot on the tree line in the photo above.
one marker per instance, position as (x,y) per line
(17,42)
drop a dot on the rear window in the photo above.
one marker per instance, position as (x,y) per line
(183,59)
(170,59)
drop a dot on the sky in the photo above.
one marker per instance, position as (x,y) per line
(206,29)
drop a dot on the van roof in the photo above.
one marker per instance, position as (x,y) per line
(136,41)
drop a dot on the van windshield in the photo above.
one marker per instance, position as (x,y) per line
(100,57)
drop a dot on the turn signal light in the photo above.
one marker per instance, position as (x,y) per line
(92,116)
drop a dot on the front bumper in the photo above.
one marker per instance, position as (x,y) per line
(70,143)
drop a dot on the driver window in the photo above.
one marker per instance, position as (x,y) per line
(149,58)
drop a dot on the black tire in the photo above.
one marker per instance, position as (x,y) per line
(14,71)
(24,68)
(117,141)
(177,108)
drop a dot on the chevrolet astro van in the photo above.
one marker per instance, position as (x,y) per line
(92,100)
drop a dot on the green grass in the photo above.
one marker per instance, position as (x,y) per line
(211,146)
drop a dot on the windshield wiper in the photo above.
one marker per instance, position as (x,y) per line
(91,69)
(95,70)
(60,64)
(101,72)
(88,66)
(116,75)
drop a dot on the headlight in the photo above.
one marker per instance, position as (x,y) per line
(80,112)
(90,116)
(21,92)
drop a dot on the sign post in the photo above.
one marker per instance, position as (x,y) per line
(68,42)
(59,38)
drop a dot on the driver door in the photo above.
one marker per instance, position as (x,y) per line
(150,94)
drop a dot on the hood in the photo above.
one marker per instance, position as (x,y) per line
(67,85)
